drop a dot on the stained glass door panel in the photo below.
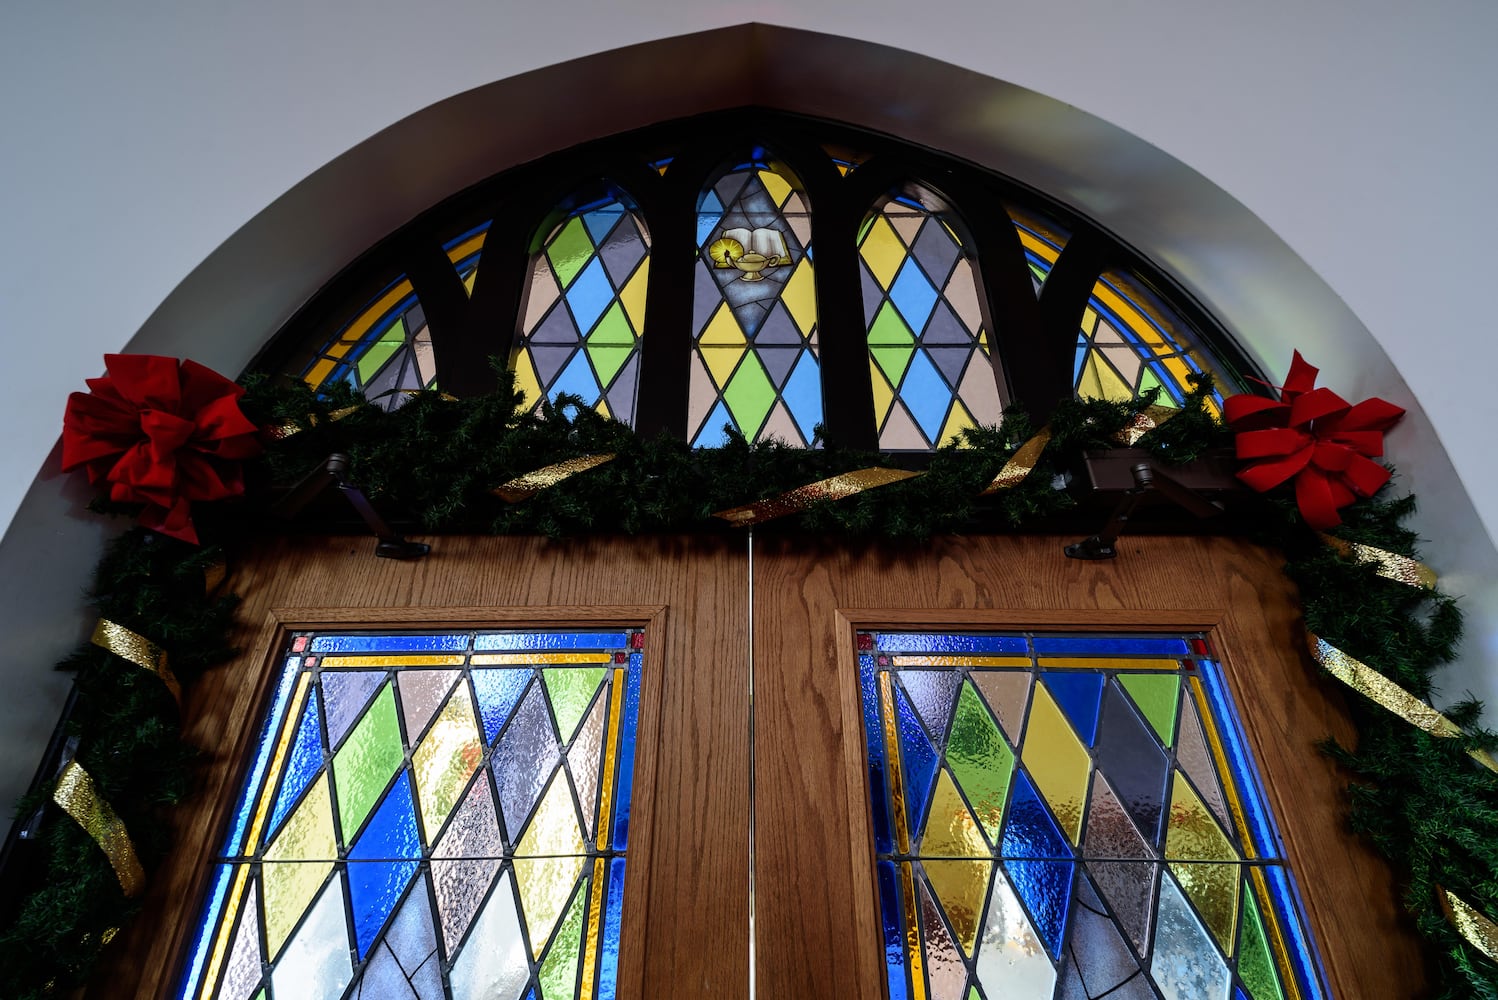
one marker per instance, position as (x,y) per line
(430,816)
(1072,817)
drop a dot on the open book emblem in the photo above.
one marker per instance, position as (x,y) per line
(749,251)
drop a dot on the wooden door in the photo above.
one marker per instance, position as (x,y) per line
(686,904)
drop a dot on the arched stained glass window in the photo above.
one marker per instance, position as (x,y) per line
(1043,240)
(464,251)
(1131,341)
(385,348)
(431,816)
(585,311)
(754,363)
(930,357)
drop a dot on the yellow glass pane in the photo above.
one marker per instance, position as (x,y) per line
(446,758)
(958,421)
(525,379)
(960,661)
(1193,838)
(606,794)
(960,886)
(951,830)
(319,372)
(549,860)
(1100,381)
(1040,247)
(892,749)
(468,247)
(800,297)
(1275,933)
(595,918)
(1109,662)
(883,252)
(1057,761)
(912,934)
(297,863)
(529,659)
(633,297)
(331,662)
(722,344)
(883,394)
(776,185)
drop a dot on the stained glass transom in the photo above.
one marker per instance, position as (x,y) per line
(385,348)
(1072,817)
(754,362)
(433,816)
(1043,240)
(1132,341)
(585,311)
(929,357)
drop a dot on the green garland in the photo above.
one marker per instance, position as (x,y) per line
(432,464)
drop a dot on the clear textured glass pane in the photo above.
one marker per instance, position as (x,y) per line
(372,849)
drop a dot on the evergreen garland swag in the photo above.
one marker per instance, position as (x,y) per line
(434,461)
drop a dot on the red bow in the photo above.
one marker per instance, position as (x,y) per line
(161,434)
(1327,444)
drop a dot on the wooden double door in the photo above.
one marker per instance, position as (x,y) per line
(720,610)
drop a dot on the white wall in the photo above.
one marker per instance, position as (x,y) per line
(1319,174)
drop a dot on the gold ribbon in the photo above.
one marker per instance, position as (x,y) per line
(1021,463)
(76,794)
(1371,684)
(1480,932)
(794,501)
(526,486)
(283,431)
(139,650)
(1142,423)
(214,575)
(1390,565)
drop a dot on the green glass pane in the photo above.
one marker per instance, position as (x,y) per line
(610,344)
(379,352)
(559,969)
(891,343)
(980,759)
(1255,966)
(1157,696)
(749,396)
(365,763)
(1152,381)
(570,251)
(571,691)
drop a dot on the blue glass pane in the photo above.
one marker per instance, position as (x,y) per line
(601,220)
(926,395)
(374,889)
(711,434)
(1291,916)
(1079,695)
(234,843)
(910,642)
(1045,888)
(302,766)
(206,930)
(590,295)
(920,760)
(498,691)
(894,930)
(625,782)
(577,379)
(455,643)
(1110,646)
(509,641)
(391,831)
(1030,832)
(874,746)
(803,394)
(1245,775)
(913,295)
(608,959)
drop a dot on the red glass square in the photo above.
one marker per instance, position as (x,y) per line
(299,644)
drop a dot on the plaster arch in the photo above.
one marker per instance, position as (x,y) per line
(1270,299)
